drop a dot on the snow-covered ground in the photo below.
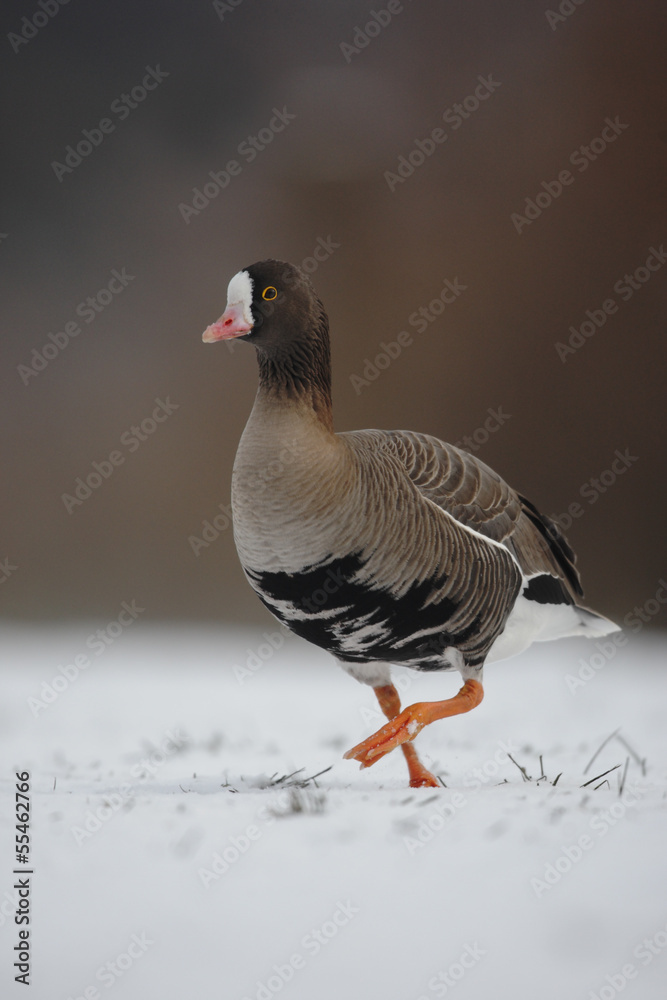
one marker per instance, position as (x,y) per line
(173,859)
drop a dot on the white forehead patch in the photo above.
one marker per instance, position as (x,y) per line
(239,292)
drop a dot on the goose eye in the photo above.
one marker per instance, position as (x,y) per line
(270,293)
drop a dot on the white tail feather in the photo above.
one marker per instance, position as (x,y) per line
(595,625)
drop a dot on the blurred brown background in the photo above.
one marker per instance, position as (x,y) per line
(323,178)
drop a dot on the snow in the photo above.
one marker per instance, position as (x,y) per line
(205,875)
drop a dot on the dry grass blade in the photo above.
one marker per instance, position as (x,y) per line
(284,778)
(640,760)
(621,783)
(597,776)
(289,780)
(314,776)
(601,748)
(301,800)
(524,773)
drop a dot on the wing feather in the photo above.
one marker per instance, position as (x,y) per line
(476,496)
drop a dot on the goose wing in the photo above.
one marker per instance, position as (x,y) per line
(479,498)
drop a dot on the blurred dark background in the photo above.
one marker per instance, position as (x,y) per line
(321,180)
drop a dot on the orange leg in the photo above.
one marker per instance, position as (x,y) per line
(404,726)
(390,703)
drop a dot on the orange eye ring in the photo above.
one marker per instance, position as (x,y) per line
(270,293)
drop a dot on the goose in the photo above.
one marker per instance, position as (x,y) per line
(382,547)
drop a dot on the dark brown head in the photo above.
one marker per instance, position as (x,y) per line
(273,306)
(270,304)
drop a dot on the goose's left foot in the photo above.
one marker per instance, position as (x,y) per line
(405,726)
